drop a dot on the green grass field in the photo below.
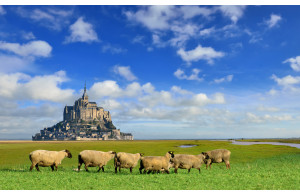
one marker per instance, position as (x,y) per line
(254,167)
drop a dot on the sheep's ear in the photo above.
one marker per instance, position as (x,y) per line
(142,154)
(203,153)
(113,152)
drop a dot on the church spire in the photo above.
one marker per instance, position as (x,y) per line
(84,96)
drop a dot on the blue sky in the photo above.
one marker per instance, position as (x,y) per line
(164,72)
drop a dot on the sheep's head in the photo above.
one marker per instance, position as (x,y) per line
(141,154)
(205,155)
(171,153)
(68,153)
(112,152)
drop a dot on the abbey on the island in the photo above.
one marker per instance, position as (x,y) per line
(83,121)
(85,110)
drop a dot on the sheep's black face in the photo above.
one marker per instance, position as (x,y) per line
(171,153)
(205,155)
(69,153)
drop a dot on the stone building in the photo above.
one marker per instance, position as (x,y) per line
(85,110)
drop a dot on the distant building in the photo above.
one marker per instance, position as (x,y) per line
(83,121)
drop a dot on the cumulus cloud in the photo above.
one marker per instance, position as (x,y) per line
(234,12)
(49,17)
(224,79)
(82,31)
(190,11)
(286,81)
(273,21)
(2,10)
(34,48)
(200,53)
(294,63)
(19,86)
(154,17)
(125,72)
(180,74)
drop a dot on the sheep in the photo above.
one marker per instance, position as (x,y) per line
(126,160)
(185,161)
(217,156)
(93,158)
(156,163)
(47,158)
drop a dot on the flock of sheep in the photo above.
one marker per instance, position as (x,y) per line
(93,158)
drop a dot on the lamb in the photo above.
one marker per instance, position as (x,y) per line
(126,160)
(93,158)
(47,158)
(185,161)
(217,156)
(156,163)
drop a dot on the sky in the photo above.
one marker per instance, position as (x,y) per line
(164,72)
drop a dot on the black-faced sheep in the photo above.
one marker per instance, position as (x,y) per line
(156,163)
(185,161)
(126,160)
(47,158)
(217,156)
(93,158)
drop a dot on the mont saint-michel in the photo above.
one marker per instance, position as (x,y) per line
(83,121)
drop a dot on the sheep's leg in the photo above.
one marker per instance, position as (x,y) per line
(149,172)
(189,170)
(176,169)
(103,168)
(31,167)
(131,170)
(210,165)
(116,169)
(86,168)
(199,170)
(99,169)
(145,171)
(79,166)
(119,168)
(37,167)
(52,167)
(141,167)
(56,167)
(167,171)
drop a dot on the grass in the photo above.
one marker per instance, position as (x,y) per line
(255,167)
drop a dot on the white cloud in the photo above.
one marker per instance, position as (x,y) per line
(224,79)
(154,17)
(179,90)
(199,53)
(113,49)
(82,31)
(192,11)
(286,81)
(107,88)
(207,32)
(27,35)
(180,74)
(234,12)
(2,10)
(253,118)
(19,86)
(273,21)
(125,72)
(294,63)
(267,109)
(33,48)
(54,19)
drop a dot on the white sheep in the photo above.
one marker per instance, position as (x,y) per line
(156,163)
(217,156)
(93,158)
(126,160)
(185,161)
(47,158)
